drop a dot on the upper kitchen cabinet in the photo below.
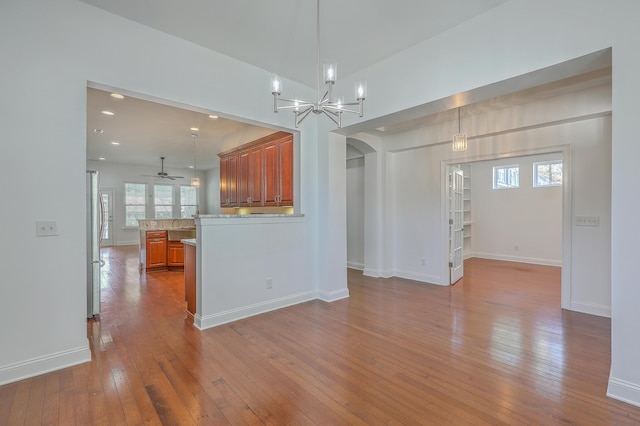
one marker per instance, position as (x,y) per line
(259,173)
(229,180)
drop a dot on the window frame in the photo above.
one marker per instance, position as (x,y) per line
(506,168)
(155,205)
(550,163)
(126,205)
(181,205)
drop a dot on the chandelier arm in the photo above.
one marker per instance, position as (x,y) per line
(332,115)
(302,115)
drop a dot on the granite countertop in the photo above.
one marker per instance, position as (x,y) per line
(216,216)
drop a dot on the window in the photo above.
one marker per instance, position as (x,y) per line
(506,177)
(135,197)
(547,173)
(188,201)
(163,201)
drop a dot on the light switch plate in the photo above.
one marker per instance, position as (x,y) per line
(46,229)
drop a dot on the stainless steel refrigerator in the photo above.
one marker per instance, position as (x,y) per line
(95,213)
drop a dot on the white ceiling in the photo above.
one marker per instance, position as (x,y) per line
(279,36)
(148,130)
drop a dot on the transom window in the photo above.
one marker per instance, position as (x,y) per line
(547,173)
(163,201)
(135,197)
(506,177)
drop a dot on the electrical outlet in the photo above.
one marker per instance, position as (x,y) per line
(46,229)
(269,283)
(516,247)
(588,221)
(424,262)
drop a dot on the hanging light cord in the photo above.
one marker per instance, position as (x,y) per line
(458,120)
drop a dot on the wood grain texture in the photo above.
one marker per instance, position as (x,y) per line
(495,349)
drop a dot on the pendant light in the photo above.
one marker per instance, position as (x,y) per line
(195,181)
(459,139)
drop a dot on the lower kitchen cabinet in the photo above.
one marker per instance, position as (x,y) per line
(156,246)
(175,253)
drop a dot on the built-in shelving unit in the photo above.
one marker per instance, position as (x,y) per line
(468,217)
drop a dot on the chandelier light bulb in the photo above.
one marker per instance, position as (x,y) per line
(276,84)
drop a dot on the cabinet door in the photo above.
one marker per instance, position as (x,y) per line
(271,174)
(285,149)
(233,179)
(156,252)
(256,172)
(175,253)
(244,178)
(224,181)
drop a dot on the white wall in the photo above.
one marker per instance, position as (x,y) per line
(50,51)
(527,217)
(83,44)
(355,213)
(114,176)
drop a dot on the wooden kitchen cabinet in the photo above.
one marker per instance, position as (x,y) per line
(190,277)
(156,248)
(175,253)
(278,181)
(229,179)
(259,173)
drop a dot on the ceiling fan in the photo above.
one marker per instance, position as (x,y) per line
(164,175)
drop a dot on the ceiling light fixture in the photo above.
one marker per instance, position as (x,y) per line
(107,112)
(115,143)
(213,116)
(459,139)
(325,105)
(194,129)
(117,96)
(195,181)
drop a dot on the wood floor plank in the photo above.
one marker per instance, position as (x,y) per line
(495,349)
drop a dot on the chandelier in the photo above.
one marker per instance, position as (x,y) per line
(327,105)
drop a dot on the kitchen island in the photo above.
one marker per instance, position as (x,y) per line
(160,243)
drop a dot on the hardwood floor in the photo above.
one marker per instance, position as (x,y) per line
(494,349)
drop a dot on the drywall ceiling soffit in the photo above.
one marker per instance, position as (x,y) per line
(280,36)
(578,74)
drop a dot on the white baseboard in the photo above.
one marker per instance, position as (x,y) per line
(520,259)
(44,364)
(624,391)
(332,296)
(355,265)
(127,243)
(368,272)
(425,278)
(591,308)
(208,321)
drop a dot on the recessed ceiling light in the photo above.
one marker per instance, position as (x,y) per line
(194,129)
(115,143)
(101,158)
(99,131)
(107,112)
(191,167)
(117,96)
(213,116)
